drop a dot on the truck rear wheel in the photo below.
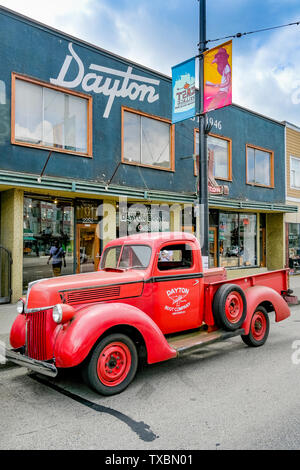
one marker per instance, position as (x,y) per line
(112,365)
(259,328)
(229,307)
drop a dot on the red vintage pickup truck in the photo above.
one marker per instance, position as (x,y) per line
(150,300)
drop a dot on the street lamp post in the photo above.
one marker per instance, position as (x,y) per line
(203,178)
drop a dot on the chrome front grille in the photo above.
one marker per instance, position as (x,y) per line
(36,345)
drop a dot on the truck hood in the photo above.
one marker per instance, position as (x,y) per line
(84,288)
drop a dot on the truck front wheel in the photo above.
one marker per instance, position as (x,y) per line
(112,365)
(259,328)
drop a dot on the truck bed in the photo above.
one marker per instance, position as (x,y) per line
(276,280)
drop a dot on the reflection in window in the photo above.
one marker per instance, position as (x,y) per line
(237,240)
(294,247)
(175,257)
(130,257)
(295,173)
(44,223)
(50,118)
(258,166)
(220,150)
(229,240)
(146,141)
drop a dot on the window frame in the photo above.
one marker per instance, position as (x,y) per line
(17,76)
(167,245)
(156,118)
(271,153)
(229,142)
(292,157)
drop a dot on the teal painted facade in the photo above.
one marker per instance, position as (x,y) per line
(34,50)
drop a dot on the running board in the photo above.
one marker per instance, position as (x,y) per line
(188,343)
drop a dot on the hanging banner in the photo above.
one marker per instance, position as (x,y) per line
(183,91)
(218,77)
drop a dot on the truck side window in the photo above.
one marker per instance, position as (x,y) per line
(175,257)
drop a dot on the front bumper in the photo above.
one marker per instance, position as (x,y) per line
(42,367)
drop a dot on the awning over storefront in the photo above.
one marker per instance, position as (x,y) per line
(256,206)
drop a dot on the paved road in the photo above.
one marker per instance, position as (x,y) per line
(228,396)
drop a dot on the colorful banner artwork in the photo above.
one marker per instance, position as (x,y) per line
(218,77)
(183,91)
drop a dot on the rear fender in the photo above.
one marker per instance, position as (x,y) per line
(258,295)
(76,339)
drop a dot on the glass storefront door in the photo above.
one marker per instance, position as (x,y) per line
(87,248)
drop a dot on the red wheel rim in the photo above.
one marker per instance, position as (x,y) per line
(114,364)
(258,326)
(234,307)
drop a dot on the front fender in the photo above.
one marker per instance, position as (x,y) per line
(257,295)
(17,332)
(75,341)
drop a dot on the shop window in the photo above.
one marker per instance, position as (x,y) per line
(262,240)
(260,166)
(136,218)
(237,240)
(294,247)
(46,116)
(295,173)
(219,150)
(175,257)
(45,223)
(147,140)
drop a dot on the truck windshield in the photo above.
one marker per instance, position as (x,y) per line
(126,257)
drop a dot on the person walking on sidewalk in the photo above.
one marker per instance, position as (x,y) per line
(57,255)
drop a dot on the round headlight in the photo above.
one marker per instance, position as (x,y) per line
(57,313)
(20,306)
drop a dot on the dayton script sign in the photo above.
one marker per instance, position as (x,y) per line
(125,84)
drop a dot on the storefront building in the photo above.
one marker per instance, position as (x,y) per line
(247,191)
(89,153)
(292,221)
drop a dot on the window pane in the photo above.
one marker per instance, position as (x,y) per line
(197,143)
(132,137)
(155,143)
(229,240)
(262,167)
(28,113)
(54,112)
(76,124)
(295,172)
(175,257)
(248,240)
(135,256)
(110,257)
(219,147)
(65,121)
(48,117)
(250,165)
(44,224)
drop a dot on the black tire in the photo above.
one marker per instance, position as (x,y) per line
(112,365)
(259,328)
(229,307)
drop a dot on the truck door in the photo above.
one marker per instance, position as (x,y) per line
(177,287)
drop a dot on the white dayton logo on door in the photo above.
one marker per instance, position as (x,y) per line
(180,303)
(125,85)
